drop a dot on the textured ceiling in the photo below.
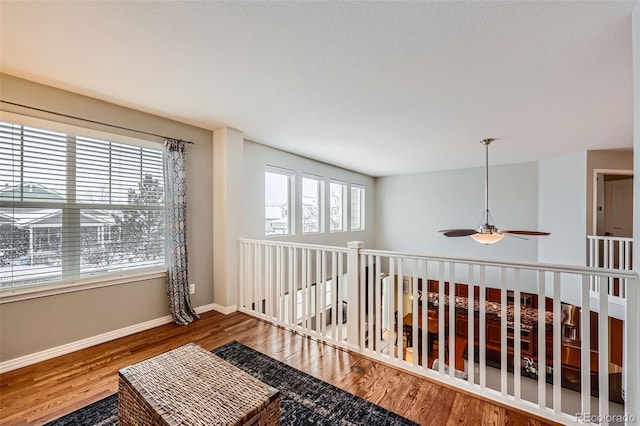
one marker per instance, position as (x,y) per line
(378,87)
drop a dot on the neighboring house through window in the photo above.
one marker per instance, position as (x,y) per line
(312,191)
(337,206)
(277,201)
(74,207)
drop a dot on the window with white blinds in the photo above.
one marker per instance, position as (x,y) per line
(73,206)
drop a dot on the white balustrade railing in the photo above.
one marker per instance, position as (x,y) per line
(611,253)
(502,330)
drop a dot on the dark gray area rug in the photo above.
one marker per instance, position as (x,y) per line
(305,400)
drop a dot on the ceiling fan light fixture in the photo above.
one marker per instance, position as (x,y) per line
(487,238)
(487,233)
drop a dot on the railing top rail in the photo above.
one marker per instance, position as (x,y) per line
(296,245)
(567,269)
(609,238)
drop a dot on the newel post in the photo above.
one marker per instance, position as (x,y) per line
(353,294)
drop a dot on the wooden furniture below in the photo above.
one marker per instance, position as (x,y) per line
(190,385)
(432,332)
(529,322)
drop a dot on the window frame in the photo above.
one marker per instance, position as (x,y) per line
(290,174)
(362,203)
(72,283)
(343,209)
(319,196)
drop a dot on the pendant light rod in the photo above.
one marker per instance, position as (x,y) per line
(486,143)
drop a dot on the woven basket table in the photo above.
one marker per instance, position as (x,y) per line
(192,386)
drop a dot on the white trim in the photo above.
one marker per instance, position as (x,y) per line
(46,354)
(23,361)
(594,191)
(226,310)
(9,295)
(205,308)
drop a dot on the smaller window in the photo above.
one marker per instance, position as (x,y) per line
(337,206)
(311,205)
(277,202)
(357,208)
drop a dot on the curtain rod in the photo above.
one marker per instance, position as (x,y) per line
(92,121)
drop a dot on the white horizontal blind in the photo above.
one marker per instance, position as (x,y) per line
(72,206)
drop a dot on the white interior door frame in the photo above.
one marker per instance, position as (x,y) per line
(596,172)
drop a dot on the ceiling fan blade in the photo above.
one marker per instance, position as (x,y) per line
(532,233)
(458,232)
(516,236)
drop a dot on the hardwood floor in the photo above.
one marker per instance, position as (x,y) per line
(45,391)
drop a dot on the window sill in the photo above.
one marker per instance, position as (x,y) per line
(9,295)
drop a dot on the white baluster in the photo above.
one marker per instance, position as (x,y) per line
(323,289)
(471,350)
(441,309)
(370,305)
(362,318)
(400,307)
(504,341)
(394,332)
(415,326)
(378,304)
(452,320)
(517,345)
(341,286)
(354,303)
(423,265)
(557,347)
(603,356)
(542,342)
(585,347)
(483,327)
(297,287)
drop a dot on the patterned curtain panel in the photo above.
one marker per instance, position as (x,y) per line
(175,188)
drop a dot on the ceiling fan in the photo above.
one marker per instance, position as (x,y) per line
(487,232)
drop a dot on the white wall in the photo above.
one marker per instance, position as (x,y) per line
(410,209)
(257,157)
(562,204)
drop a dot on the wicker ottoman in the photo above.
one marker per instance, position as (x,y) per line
(192,386)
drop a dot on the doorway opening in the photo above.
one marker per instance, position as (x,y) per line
(613,215)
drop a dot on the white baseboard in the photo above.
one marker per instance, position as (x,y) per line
(25,360)
(224,309)
(205,308)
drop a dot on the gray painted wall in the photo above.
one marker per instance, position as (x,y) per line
(34,325)
(410,209)
(562,204)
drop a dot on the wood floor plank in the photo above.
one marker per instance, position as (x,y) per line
(42,392)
